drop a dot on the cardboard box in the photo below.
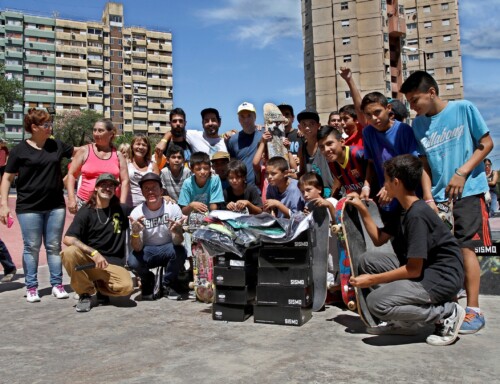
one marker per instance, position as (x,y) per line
(227,312)
(284,296)
(301,241)
(271,256)
(294,316)
(232,260)
(234,295)
(296,277)
(234,276)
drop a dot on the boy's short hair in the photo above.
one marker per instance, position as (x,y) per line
(419,81)
(286,107)
(407,168)
(350,109)
(326,130)
(312,178)
(177,111)
(199,158)
(374,97)
(278,162)
(174,149)
(238,167)
(399,110)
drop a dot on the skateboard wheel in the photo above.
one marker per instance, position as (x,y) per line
(336,228)
(351,305)
(191,285)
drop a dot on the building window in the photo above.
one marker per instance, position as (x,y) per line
(386,37)
(449,70)
(409,11)
(345,23)
(428,40)
(450,86)
(347,59)
(410,26)
(344,5)
(428,24)
(446,22)
(413,57)
(445,6)
(447,38)
(427,9)
(412,42)
(448,54)
(347,94)
(346,41)
(429,56)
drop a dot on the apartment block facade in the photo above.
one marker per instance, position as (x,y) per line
(383,42)
(125,73)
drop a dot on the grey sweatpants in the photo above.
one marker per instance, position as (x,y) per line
(401,300)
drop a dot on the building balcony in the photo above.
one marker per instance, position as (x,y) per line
(71,62)
(40,46)
(94,100)
(71,49)
(40,59)
(140,115)
(39,33)
(160,94)
(157,117)
(139,78)
(140,127)
(72,74)
(49,86)
(397,26)
(41,72)
(157,130)
(39,98)
(71,36)
(71,87)
(71,100)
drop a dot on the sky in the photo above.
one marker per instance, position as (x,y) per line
(229,51)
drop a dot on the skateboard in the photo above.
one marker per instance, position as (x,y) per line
(445,213)
(274,123)
(354,241)
(202,262)
(318,251)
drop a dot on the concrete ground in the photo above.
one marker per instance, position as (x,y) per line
(131,341)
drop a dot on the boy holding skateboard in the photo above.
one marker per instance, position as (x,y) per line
(422,288)
(455,140)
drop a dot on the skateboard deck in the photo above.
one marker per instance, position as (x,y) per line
(318,249)
(202,262)
(354,241)
(274,123)
(445,213)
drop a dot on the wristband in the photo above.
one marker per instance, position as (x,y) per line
(135,235)
(459,174)
(94,252)
(366,187)
(429,201)
(164,140)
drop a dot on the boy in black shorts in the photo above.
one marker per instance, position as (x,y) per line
(420,289)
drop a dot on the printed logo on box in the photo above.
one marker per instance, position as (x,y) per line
(291,322)
(297,282)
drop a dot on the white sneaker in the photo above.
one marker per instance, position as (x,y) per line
(395,328)
(59,292)
(32,295)
(447,330)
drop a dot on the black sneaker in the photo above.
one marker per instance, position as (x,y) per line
(84,303)
(171,294)
(102,299)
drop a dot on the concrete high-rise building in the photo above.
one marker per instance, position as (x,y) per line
(125,73)
(383,42)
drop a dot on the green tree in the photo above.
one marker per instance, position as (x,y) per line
(10,93)
(75,127)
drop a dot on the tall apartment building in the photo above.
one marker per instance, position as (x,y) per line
(383,42)
(123,72)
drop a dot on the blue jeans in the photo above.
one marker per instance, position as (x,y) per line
(151,256)
(48,225)
(5,259)
(493,204)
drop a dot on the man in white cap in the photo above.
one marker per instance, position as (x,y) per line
(243,145)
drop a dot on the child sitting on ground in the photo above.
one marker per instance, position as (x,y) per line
(283,195)
(421,289)
(202,192)
(311,188)
(240,196)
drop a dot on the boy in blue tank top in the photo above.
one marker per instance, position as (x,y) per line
(454,140)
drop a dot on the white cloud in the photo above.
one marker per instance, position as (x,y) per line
(480,36)
(259,22)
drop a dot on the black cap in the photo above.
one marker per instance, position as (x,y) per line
(210,110)
(150,176)
(106,177)
(284,106)
(308,113)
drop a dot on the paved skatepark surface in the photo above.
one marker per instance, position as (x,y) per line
(131,341)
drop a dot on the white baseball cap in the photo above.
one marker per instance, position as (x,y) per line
(246,106)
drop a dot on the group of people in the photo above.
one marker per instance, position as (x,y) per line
(365,151)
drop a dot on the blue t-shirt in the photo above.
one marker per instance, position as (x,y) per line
(243,146)
(210,193)
(290,198)
(448,139)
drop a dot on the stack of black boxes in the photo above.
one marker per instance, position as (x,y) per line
(235,279)
(284,290)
